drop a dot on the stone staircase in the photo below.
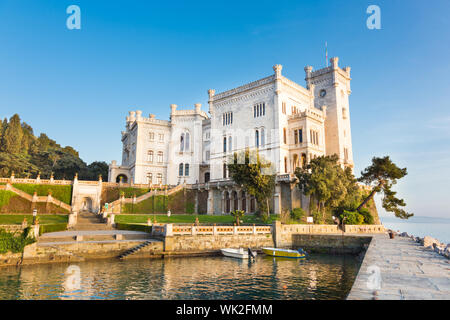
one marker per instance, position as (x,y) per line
(90,221)
(134,250)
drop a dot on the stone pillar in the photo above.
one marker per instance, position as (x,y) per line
(111,220)
(72,219)
(210,202)
(196,201)
(35,231)
(223,202)
(277,200)
(239,201)
(168,230)
(276,233)
(247,203)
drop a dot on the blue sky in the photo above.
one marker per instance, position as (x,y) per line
(78,85)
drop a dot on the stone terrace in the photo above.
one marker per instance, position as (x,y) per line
(408,271)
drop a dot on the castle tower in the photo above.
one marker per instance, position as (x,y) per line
(332,89)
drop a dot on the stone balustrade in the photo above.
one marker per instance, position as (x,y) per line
(179,230)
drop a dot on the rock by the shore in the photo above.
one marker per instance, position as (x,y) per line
(429,241)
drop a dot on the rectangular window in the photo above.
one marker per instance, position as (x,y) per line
(180,169)
(151,136)
(159,178)
(283,107)
(295,136)
(161,137)
(149,178)
(300,136)
(160,157)
(207,155)
(284,135)
(186,169)
(224,144)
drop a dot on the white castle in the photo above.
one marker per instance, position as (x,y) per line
(287,123)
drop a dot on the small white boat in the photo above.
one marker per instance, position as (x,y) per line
(237,253)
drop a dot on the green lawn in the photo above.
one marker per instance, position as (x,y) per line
(187,218)
(43,219)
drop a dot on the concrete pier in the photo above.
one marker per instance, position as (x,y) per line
(401,269)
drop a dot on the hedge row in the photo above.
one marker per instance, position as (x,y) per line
(63,193)
(46,228)
(134,227)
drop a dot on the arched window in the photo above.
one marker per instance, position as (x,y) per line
(224,170)
(159,178)
(256,138)
(230,144)
(186,143)
(180,170)
(160,157)
(150,156)
(263,138)
(149,178)
(284,135)
(285,165)
(182,142)
(224,144)
(186,169)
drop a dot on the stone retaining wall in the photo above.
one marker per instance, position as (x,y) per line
(335,244)
(11,227)
(187,243)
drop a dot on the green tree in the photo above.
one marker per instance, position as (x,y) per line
(382,174)
(13,135)
(95,169)
(327,184)
(251,171)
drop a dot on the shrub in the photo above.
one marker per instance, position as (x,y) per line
(11,242)
(368,218)
(318,218)
(352,217)
(297,214)
(238,214)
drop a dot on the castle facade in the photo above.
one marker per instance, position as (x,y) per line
(288,125)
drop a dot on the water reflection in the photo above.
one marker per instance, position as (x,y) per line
(317,277)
